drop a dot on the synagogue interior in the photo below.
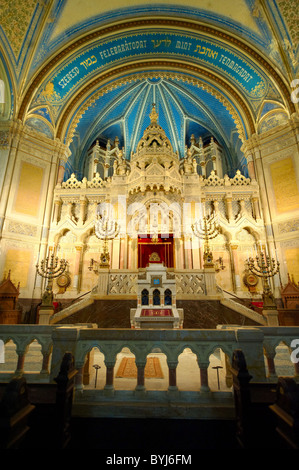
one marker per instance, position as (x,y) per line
(149,224)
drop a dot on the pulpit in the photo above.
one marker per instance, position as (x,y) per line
(289,314)
(9,293)
(156,300)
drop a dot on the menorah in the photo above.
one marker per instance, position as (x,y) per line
(49,269)
(265,268)
(105,230)
(206,229)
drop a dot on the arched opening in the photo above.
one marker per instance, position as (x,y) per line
(156,297)
(145,297)
(188,374)
(34,357)
(167,297)
(217,371)
(125,370)
(156,371)
(94,371)
(10,357)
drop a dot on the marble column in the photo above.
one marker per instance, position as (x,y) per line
(109,386)
(83,209)
(270,363)
(45,364)
(172,386)
(79,377)
(256,209)
(140,376)
(229,207)
(57,210)
(77,267)
(20,364)
(61,170)
(235,266)
(15,131)
(204,377)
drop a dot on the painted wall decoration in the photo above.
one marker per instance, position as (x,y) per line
(221,58)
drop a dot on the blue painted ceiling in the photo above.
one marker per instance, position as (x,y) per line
(184,109)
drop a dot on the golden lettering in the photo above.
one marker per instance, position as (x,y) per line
(89,61)
(158,42)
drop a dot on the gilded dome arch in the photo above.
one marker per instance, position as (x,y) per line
(174,24)
(97,63)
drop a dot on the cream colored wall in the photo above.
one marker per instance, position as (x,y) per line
(277,159)
(76,11)
(26,208)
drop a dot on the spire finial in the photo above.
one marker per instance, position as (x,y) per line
(154,114)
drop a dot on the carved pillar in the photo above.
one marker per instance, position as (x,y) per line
(172,366)
(203,169)
(14,132)
(195,253)
(129,253)
(57,209)
(235,266)
(256,209)
(134,254)
(78,267)
(70,209)
(83,209)
(187,252)
(45,364)
(250,166)
(242,207)
(123,253)
(229,207)
(204,387)
(115,258)
(216,207)
(270,363)
(109,376)
(61,170)
(79,377)
(140,375)
(179,253)
(20,364)
(60,152)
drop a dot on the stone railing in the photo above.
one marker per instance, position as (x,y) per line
(259,346)
(125,283)
(192,282)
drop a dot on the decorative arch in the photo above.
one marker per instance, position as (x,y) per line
(205,73)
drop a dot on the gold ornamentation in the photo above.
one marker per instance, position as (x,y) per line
(154,257)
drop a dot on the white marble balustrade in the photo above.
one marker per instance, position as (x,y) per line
(260,346)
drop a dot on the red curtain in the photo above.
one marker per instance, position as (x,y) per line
(164,249)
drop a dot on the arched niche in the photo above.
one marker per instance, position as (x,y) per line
(94,370)
(33,358)
(125,371)
(188,374)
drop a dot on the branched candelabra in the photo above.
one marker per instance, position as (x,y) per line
(105,230)
(206,229)
(265,268)
(49,269)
